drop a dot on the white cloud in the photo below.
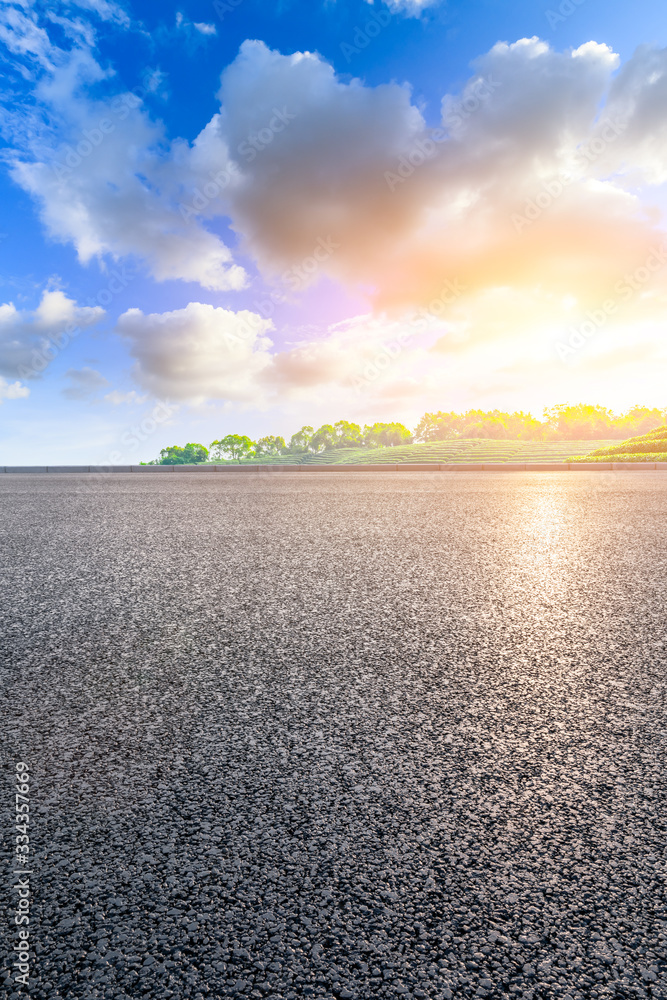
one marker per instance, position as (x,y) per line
(106,10)
(84,383)
(12,390)
(29,339)
(131,398)
(98,167)
(196,33)
(199,352)
(413,8)
(638,97)
(498,349)
(531,183)
(410,206)
(202,353)
(204,28)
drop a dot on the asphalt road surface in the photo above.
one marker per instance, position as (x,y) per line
(354,735)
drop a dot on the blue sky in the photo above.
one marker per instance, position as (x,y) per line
(237,217)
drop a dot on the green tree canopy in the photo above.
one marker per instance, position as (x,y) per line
(270,446)
(191,454)
(301,440)
(386,435)
(479,424)
(234,446)
(582,422)
(323,439)
(488,426)
(641,420)
(438,426)
(348,435)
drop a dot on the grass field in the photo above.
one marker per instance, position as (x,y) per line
(456,451)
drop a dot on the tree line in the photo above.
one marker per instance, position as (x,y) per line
(565,422)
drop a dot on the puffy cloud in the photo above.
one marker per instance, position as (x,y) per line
(412,8)
(202,353)
(102,172)
(359,350)
(526,182)
(195,31)
(499,349)
(84,383)
(204,28)
(638,98)
(309,153)
(530,178)
(199,352)
(530,182)
(29,339)
(12,390)
(131,398)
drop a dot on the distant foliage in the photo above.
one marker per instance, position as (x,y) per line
(586,423)
(516,426)
(192,454)
(323,439)
(651,447)
(386,435)
(348,435)
(565,422)
(270,446)
(301,440)
(234,446)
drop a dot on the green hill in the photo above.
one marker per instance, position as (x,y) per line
(456,451)
(651,447)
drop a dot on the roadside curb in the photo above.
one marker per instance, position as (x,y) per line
(405,467)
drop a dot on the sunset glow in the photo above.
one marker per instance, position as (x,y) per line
(316,225)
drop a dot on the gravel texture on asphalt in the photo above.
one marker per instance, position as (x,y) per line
(339,736)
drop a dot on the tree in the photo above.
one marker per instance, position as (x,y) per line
(270,446)
(301,440)
(192,454)
(234,446)
(438,426)
(640,420)
(386,435)
(323,439)
(488,427)
(582,422)
(348,435)
(524,426)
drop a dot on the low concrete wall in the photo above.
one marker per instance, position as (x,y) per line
(105,470)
